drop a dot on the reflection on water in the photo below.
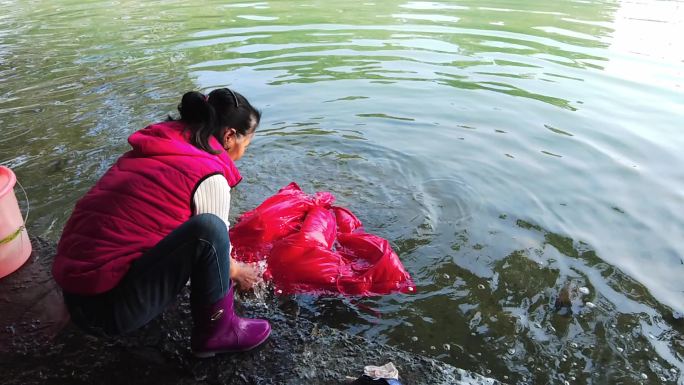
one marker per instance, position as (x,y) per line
(520,156)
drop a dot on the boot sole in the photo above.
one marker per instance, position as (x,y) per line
(215,352)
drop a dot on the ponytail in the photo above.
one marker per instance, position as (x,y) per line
(200,116)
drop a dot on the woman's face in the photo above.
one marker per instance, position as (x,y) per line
(236,144)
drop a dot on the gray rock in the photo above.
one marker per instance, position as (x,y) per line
(298,352)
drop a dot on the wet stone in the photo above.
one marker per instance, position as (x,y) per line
(298,352)
(35,314)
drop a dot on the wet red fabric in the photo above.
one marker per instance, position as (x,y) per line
(312,246)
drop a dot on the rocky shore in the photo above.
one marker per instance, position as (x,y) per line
(38,345)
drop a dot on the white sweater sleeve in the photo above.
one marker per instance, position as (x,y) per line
(213,197)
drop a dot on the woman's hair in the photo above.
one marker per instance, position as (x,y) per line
(208,115)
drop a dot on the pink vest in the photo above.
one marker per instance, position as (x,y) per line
(144,196)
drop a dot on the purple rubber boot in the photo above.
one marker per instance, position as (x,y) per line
(216,329)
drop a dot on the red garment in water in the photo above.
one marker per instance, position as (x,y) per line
(312,246)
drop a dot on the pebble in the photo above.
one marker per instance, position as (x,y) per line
(446,347)
(511,351)
(414,338)
(644,376)
(573,345)
(673,370)
(446,276)
(553,330)
(590,305)
(432,347)
(481,286)
(620,350)
(411,288)
(663,379)
(584,290)
(566,382)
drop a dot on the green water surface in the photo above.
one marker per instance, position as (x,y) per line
(513,152)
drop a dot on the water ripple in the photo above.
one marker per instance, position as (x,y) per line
(512,153)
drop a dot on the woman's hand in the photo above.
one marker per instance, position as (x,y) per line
(243,274)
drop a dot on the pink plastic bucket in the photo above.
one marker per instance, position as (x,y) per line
(15,246)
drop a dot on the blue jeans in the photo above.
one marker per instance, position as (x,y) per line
(197,250)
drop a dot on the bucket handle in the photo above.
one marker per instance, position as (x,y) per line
(21,228)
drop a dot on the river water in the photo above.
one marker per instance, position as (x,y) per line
(524,158)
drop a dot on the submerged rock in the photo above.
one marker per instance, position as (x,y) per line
(298,351)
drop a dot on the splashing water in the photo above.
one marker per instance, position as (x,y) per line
(261,287)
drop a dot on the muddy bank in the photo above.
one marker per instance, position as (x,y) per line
(39,346)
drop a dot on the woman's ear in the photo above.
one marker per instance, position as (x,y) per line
(228,137)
